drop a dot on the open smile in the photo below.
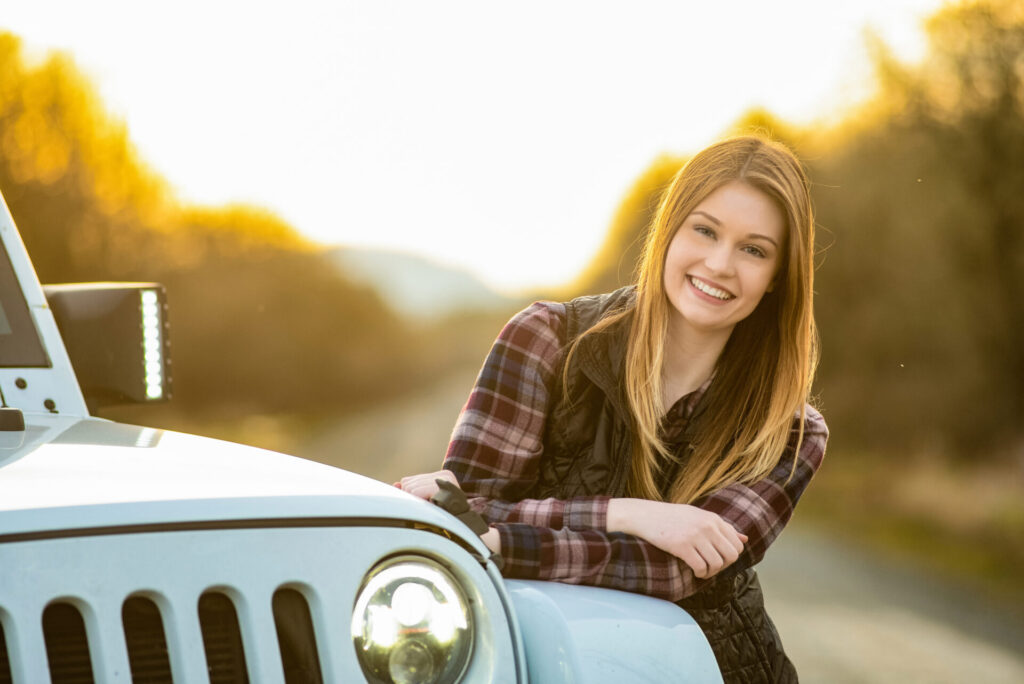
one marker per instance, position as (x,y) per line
(710,290)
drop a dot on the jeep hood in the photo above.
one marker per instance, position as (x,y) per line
(66,473)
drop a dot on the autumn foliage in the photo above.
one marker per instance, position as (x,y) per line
(261,322)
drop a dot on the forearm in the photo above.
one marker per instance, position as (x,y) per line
(578,513)
(705,541)
(610,560)
(621,513)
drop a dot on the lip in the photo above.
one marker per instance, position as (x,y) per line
(705,296)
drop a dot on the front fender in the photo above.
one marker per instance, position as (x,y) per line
(576,634)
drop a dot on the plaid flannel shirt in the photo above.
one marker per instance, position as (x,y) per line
(497,445)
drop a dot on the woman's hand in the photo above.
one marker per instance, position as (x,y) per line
(423,485)
(492,539)
(701,539)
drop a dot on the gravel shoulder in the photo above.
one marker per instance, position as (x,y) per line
(846,616)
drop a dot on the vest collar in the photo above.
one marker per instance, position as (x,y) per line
(602,359)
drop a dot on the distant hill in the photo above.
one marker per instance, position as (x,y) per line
(416,286)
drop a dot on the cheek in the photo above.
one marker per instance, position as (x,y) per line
(760,283)
(677,254)
(670,265)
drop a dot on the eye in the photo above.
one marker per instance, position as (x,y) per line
(704,230)
(756,251)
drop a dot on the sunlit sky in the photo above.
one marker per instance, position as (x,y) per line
(495,137)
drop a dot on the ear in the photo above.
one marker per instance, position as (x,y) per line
(771,286)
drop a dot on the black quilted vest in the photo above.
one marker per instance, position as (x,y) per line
(587,447)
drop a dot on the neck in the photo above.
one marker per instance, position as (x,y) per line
(690,358)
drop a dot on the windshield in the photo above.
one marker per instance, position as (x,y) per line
(20,345)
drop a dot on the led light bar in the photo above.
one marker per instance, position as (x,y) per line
(152,343)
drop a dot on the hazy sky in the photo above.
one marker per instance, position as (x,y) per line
(498,137)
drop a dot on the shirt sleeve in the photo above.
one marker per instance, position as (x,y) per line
(762,509)
(614,560)
(497,442)
(622,561)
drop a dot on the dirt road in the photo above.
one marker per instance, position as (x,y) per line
(844,616)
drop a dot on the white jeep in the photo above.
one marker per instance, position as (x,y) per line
(132,554)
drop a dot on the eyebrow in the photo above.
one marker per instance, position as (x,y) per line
(756,236)
(707,216)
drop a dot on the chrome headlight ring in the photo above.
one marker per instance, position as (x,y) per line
(411,623)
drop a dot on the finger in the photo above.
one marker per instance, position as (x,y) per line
(711,556)
(739,535)
(728,550)
(417,485)
(735,538)
(426,490)
(410,481)
(695,561)
(728,546)
(734,542)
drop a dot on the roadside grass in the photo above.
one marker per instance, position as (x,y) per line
(963,521)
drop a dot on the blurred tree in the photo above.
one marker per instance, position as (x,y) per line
(69,173)
(616,260)
(931,190)
(262,322)
(970,97)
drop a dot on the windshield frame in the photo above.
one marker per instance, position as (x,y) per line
(20,343)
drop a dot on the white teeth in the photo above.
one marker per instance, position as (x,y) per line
(713,291)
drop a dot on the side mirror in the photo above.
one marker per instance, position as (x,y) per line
(116,335)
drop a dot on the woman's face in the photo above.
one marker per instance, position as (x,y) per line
(723,258)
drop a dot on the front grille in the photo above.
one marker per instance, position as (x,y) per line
(146,642)
(5,660)
(67,647)
(233,605)
(295,636)
(69,661)
(222,640)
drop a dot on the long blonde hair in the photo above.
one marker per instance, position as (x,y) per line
(764,375)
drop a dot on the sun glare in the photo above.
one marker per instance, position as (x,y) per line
(480,137)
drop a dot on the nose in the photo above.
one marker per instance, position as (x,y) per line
(720,259)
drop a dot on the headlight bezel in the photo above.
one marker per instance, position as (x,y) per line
(435,623)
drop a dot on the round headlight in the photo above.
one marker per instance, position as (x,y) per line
(411,623)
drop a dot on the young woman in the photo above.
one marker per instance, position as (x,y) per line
(656,439)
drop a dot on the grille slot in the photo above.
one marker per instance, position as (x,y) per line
(147,644)
(5,660)
(222,639)
(67,646)
(296,639)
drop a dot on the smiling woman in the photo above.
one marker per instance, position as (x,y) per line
(656,439)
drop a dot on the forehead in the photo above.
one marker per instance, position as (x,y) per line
(742,207)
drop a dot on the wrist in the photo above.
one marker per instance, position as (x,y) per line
(620,515)
(492,539)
